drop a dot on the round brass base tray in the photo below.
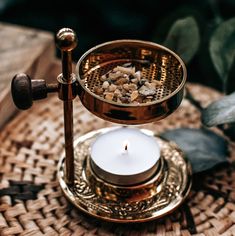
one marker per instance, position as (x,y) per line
(158,196)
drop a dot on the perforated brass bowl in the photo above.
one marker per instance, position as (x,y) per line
(155,63)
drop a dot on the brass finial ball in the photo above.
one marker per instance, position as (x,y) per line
(66,39)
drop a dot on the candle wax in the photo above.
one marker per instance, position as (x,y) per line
(125,152)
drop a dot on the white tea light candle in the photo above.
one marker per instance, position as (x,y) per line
(125,156)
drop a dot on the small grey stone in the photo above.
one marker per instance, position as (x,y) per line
(145,91)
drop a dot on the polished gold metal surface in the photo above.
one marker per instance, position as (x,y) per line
(154,61)
(155,198)
(66,41)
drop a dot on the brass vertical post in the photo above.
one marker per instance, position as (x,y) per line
(66,41)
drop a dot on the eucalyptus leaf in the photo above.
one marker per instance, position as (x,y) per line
(222,48)
(220,112)
(203,148)
(184,38)
(230,85)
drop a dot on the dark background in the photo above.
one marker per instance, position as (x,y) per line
(102,20)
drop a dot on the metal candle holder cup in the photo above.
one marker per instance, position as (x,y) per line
(155,63)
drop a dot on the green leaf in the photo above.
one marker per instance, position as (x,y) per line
(184,38)
(220,112)
(230,85)
(202,147)
(222,48)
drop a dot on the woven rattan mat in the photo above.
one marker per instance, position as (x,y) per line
(31,202)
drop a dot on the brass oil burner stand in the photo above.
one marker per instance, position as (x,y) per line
(171,182)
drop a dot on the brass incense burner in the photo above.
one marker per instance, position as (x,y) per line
(171,182)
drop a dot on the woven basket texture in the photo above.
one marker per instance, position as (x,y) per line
(31,201)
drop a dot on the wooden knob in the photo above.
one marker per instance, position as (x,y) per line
(21,90)
(24,90)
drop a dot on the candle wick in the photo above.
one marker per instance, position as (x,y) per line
(126,147)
